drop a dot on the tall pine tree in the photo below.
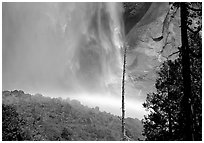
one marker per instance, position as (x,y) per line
(176,107)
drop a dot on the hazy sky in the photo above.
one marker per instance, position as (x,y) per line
(74,50)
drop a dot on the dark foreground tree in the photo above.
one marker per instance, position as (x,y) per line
(163,121)
(176,107)
(166,117)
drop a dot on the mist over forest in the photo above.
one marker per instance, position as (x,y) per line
(102,71)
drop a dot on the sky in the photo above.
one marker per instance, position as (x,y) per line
(74,50)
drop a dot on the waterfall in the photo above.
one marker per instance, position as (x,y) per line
(96,54)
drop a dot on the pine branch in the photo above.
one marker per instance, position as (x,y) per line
(194,54)
(193,75)
(194,9)
(196,31)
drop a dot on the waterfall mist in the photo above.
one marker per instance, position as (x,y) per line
(74,50)
(67,46)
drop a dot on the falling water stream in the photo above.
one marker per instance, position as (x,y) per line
(65,46)
(96,60)
(67,49)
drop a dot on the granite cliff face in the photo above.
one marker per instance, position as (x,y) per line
(147,38)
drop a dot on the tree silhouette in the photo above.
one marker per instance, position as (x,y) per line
(185,51)
(162,122)
(176,107)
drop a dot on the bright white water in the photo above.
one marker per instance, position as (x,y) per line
(69,49)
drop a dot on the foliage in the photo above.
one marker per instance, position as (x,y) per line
(11,125)
(166,114)
(55,119)
(164,105)
(195,44)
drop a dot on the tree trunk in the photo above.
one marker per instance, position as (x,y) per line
(123,96)
(186,103)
